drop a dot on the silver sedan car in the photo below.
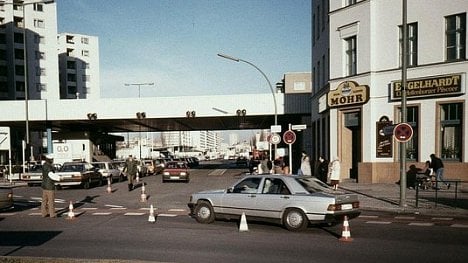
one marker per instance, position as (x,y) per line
(292,201)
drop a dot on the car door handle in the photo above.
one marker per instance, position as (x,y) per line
(252,195)
(285,197)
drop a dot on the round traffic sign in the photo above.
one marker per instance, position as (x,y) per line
(403,132)
(275,138)
(289,137)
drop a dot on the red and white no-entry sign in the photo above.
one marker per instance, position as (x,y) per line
(403,132)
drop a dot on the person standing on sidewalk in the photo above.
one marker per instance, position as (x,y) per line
(131,170)
(438,167)
(322,169)
(48,187)
(334,171)
(305,165)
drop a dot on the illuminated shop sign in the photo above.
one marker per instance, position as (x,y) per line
(348,93)
(449,85)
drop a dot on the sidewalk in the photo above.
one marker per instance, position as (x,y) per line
(386,197)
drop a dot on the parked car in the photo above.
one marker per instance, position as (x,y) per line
(6,198)
(109,170)
(242,161)
(292,201)
(79,173)
(33,175)
(176,171)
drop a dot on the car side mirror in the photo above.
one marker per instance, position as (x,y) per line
(230,189)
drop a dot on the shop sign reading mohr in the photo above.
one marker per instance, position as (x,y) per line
(348,93)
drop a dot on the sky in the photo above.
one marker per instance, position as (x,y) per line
(174,43)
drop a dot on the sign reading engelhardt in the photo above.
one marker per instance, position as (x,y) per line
(348,93)
(448,85)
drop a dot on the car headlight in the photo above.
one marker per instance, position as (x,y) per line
(183,173)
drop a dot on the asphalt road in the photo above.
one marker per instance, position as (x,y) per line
(114,226)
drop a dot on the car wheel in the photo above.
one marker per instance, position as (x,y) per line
(295,220)
(204,213)
(87,184)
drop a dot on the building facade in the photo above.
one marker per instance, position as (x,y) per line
(28,54)
(79,66)
(357,94)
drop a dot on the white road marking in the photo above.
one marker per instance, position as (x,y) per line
(167,215)
(365,216)
(379,222)
(176,210)
(420,224)
(134,214)
(443,218)
(405,217)
(89,208)
(115,206)
(8,214)
(101,214)
(459,225)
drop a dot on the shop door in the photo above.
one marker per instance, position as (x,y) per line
(352,123)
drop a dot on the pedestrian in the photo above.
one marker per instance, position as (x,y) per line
(278,165)
(438,167)
(49,177)
(334,170)
(305,164)
(286,165)
(265,165)
(322,170)
(131,170)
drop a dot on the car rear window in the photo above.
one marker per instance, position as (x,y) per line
(313,185)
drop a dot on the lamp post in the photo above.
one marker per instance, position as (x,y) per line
(140,115)
(404,64)
(266,78)
(139,86)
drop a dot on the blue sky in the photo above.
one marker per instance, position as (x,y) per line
(174,43)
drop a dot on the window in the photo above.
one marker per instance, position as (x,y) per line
(39,39)
(350,55)
(299,85)
(3,87)
(412,48)
(20,86)
(84,65)
(2,22)
(70,52)
(85,78)
(71,65)
(71,90)
(18,38)
(274,186)
(71,77)
(19,70)
(70,39)
(2,38)
(19,53)
(3,71)
(350,2)
(18,22)
(249,185)
(40,55)
(41,87)
(38,23)
(38,7)
(455,31)
(451,116)
(40,71)
(84,40)
(85,53)
(3,55)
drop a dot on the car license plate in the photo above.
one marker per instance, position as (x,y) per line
(174,177)
(346,206)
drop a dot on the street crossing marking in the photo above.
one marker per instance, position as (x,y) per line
(218,172)
(176,210)
(443,218)
(367,216)
(167,215)
(101,214)
(405,217)
(134,214)
(459,225)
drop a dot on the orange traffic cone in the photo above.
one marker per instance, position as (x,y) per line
(143,194)
(346,233)
(71,214)
(151,217)
(243,224)
(109,188)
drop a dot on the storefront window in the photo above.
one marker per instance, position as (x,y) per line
(451,116)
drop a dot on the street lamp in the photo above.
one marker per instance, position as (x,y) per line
(266,78)
(139,86)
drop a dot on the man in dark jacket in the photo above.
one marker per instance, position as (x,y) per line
(438,167)
(48,187)
(131,170)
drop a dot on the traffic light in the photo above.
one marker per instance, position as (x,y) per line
(190,114)
(92,116)
(141,115)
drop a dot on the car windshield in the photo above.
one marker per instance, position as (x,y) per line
(313,185)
